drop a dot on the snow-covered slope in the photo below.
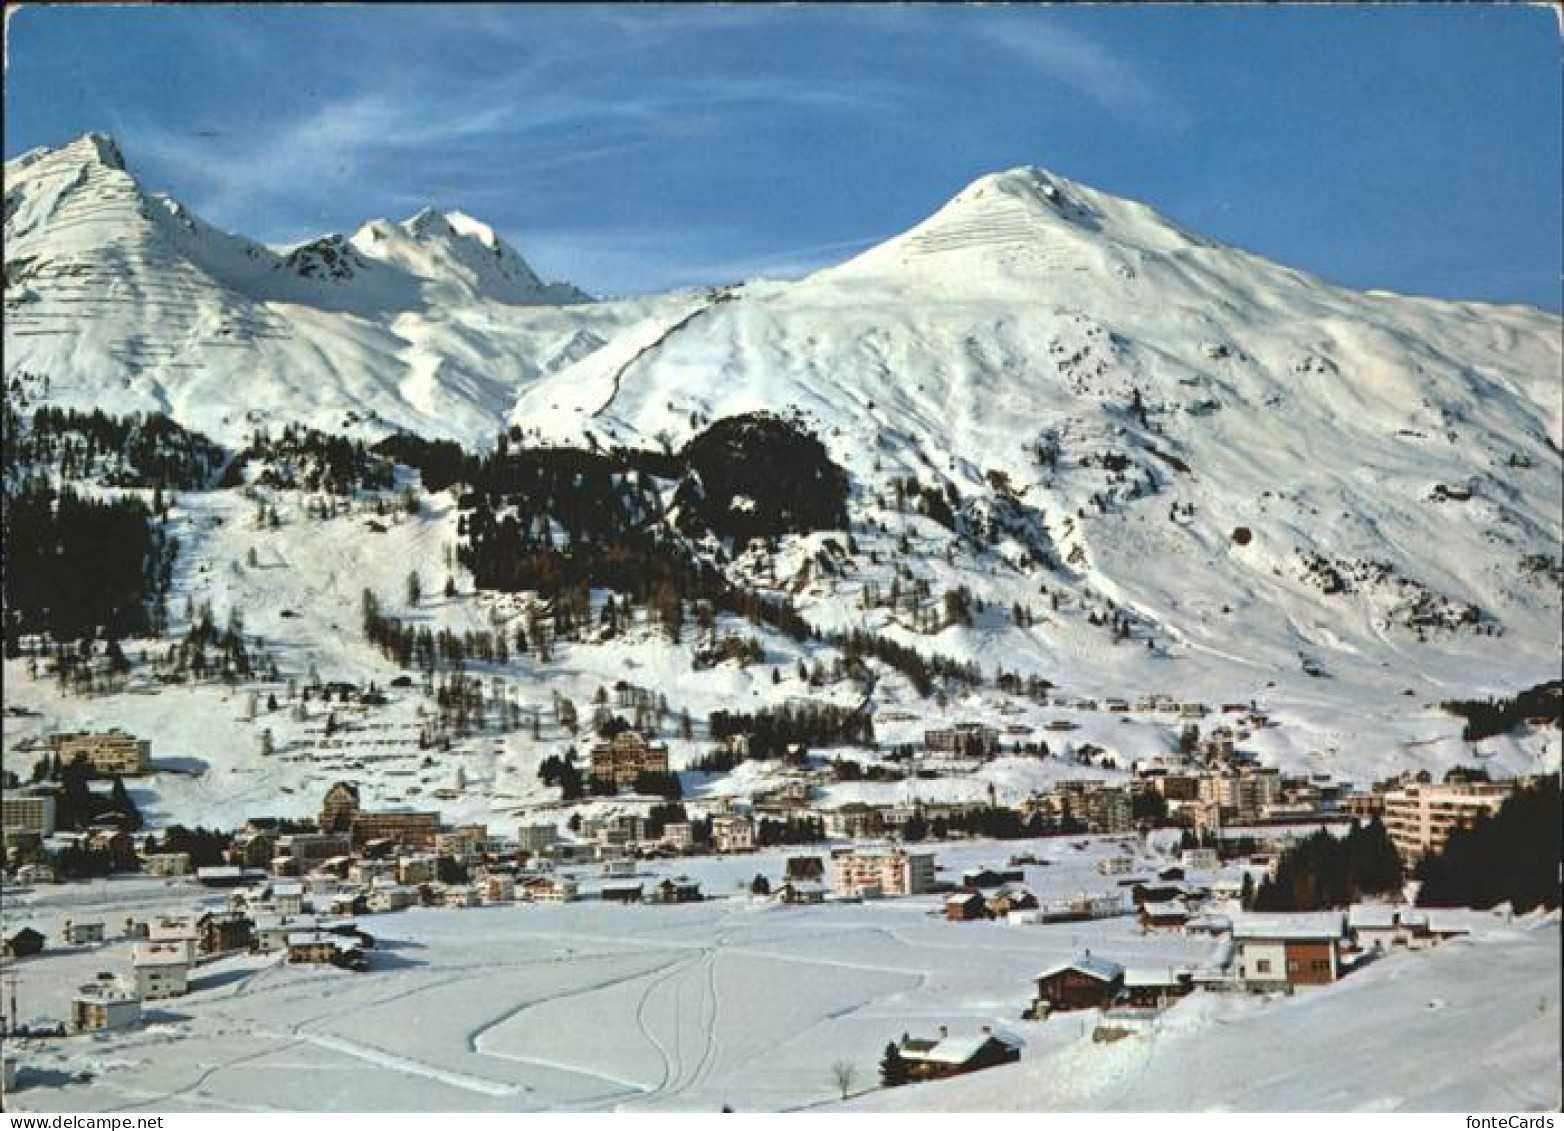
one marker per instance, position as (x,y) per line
(1265,472)
(1193,471)
(127,301)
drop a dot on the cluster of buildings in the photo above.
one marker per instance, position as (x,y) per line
(30,814)
(165,950)
(1258,954)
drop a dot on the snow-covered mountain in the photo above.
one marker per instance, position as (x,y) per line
(128,301)
(1262,469)
(1190,469)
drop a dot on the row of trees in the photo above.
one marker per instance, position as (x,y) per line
(139,450)
(426,649)
(1488,717)
(302,458)
(771,731)
(77,805)
(562,771)
(991,821)
(1327,871)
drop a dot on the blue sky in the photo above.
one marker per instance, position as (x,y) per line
(630,149)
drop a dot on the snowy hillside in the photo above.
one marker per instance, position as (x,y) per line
(1267,475)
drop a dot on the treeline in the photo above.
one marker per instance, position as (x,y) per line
(771,732)
(909,494)
(1486,718)
(302,458)
(207,651)
(562,771)
(555,498)
(663,576)
(207,847)
(76,567)
(919,669)
(989,821)
(139,450)
(440,463)
(1510,857)
(770,832)
(562,522)
(423,648)
(1327,871)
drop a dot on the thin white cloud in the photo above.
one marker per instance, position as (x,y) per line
(1088,65)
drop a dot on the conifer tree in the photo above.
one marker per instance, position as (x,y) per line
(893,1069)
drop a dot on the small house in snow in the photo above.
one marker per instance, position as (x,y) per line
(80,934)
(1011,897)
(800,891)
(621,893)
(162,969)
(23,943)
(944,1056)
(1286,952)
(458,896)
(1155,987)
(679,889)
(965,906)
(319,948)
(1085,983)
(549,889)
(497,887)
(105,1005)
(1169,916)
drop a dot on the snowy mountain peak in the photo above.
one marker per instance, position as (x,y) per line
(104,149)
(434,224)
(1047,197)
(89,149)
(457,256)
(1028,183)
(130,301)
(329,257)
(428,222)
(1016,228)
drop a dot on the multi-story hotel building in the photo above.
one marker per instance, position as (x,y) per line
(887,871)
(1421,816)
(111,752)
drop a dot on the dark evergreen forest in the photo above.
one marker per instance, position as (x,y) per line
(1511,857)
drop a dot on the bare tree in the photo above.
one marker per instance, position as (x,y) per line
(843,1075)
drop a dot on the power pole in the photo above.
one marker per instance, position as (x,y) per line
(10,1019)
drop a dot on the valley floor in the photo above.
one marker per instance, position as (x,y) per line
(749,1003)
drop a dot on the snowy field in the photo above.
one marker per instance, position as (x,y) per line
(748,1003)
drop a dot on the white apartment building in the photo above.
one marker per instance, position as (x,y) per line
(733,834)
(162,970)
(1421,816)
(881,871)
(106,1004)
